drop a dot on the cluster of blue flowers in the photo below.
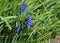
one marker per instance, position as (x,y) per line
(28,21)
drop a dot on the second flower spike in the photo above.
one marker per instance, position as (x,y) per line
(22,9)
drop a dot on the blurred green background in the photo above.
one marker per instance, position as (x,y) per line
(45,18)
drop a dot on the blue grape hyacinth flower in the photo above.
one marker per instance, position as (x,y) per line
(18,28)
(22,9)
(28,21)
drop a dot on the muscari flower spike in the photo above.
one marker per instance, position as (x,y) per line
(22,9)
(28,21)
(18,28)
